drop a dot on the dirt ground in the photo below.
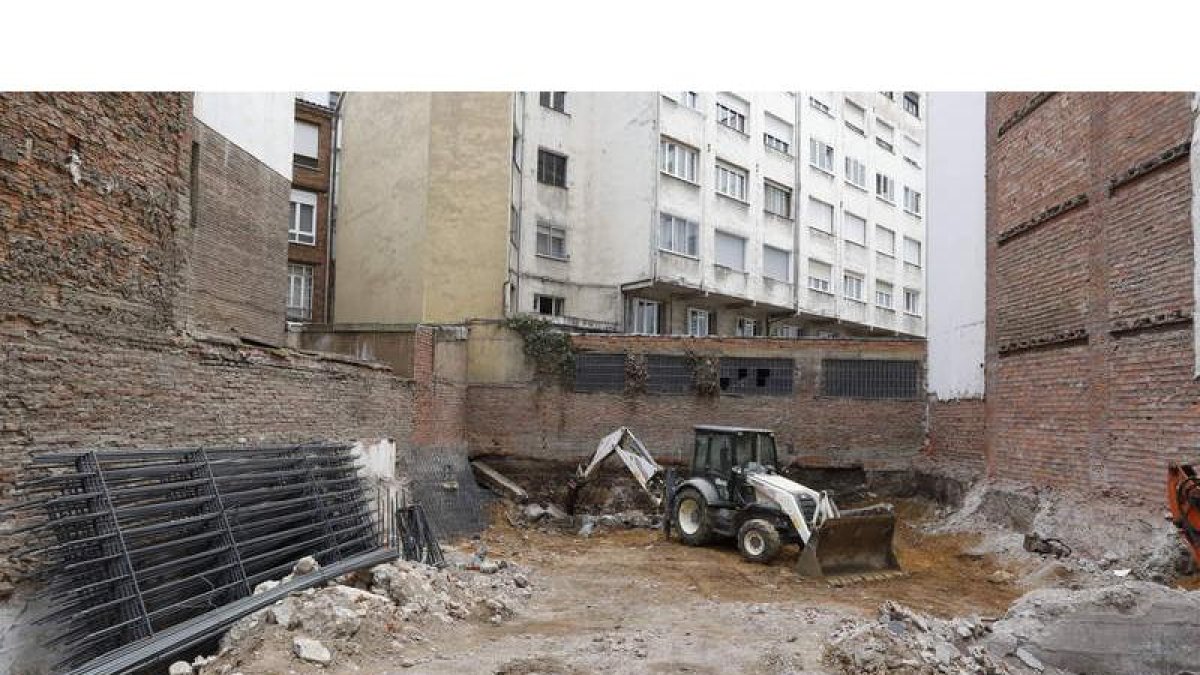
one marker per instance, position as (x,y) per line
(629,601)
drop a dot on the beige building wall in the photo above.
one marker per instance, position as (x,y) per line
(424,207)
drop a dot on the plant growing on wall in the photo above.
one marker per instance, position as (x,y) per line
(705,374)
(636,374)
(548,347)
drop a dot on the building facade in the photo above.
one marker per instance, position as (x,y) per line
(784,213)
(310,216)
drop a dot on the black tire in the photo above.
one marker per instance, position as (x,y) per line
(693,525)
(758,541)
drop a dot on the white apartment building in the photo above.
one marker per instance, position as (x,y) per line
(725,213)
(730,213)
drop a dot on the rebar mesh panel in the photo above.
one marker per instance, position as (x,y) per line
(441,481)
(599,372)
(870,378)
(668,374)
(756,376)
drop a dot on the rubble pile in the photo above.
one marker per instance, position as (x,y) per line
(1102,537)
(385,609)
(552,517)
(904,642)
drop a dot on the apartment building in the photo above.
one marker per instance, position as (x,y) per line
(784,213)
(310,219)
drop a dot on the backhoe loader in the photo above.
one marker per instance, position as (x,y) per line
(733,489)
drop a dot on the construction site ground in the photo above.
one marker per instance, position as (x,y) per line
(631,601)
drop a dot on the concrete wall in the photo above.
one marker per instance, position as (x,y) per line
(260,123)
(957,244)
(1090,355)
(423,207)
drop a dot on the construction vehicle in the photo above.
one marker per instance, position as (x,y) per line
(1183,499)
(733,489)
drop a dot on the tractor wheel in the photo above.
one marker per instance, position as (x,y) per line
(691,517)
(758,540)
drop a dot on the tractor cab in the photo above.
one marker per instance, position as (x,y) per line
(725,455)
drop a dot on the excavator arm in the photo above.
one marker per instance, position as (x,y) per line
(1183,499)
(637,459)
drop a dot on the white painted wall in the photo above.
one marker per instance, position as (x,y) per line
(261,123)
(957,244)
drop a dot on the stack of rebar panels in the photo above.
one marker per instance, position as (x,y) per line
(134,542)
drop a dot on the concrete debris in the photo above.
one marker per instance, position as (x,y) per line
(305,565)
(180,668)
(588,527)
(498,482)
(1127,628)
(308,649)
(1029,659)
(382,609)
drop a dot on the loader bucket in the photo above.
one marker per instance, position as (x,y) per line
(853,544)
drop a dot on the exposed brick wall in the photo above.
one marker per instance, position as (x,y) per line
(440,375)
(94,299)
(525,420)
(957,432)
(239,245)
(1111,407)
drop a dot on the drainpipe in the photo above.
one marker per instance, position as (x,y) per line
(796,225)
(331,214)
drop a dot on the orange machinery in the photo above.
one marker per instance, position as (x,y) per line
(1183,498)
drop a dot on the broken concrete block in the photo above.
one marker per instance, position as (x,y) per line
(180,668)
(308,649)
(533,513)
(305,565)
(499,482)
(1029,659)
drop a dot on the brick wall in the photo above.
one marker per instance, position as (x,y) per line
(94,303)
(524,420)
(957,432)
(239,243)
(1089,355)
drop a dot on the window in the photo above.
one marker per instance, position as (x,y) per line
(819,105)
(550,305)
(551,241)
(599,372)
(912,201)
(854,229)
(777,144)
(644,316)
(912,301)
(870,378)
(777,264)
(852,286)
(912,151)
(678,235)
(885,188)
(820,155)
(820,276)
(690,99)
(856,173)
(885,135)
(306,144)
(300,291)
(668,374)
(746,327)
(785,331)
(885,240)
(777,199)
(697,322)
(820,215)
(912,104)
(678,159)
(303,226)
(883,294)
(731,181)
(552,168)
(728,117)
(912,252)
(554,100)
(731,251)
(856,117)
